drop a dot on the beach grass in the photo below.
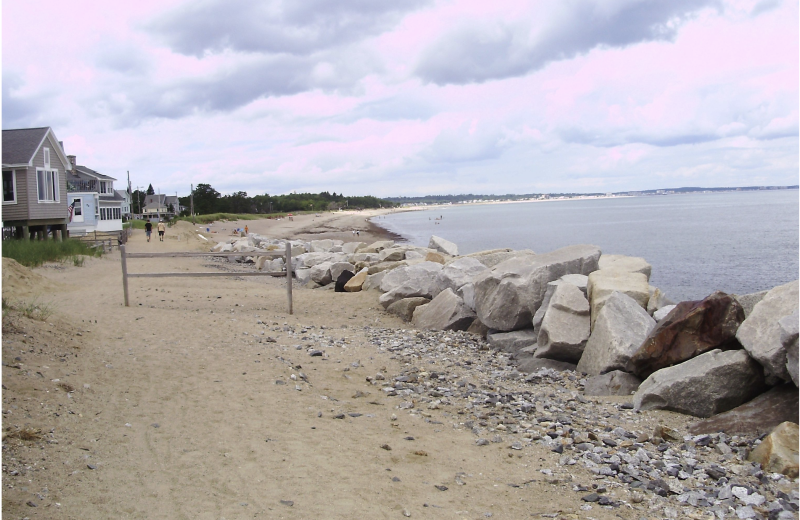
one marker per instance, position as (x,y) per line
(33,253)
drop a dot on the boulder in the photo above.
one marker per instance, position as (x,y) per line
(260,261)
(615,382)
(373,281)
(443,246)
(302,275)
(398,293)
(565,327)
(625,264)
(433,256)
(777,452)
(789,332)
(692,328)
(748,301)
(467,293)
(508,295)
(337,268)
(511,342)
(458,273)
(663,312)
(603,283)
(321,273)
(351,247)
(708,384)
(320,246)
(364,257)
(421,276)
(405,307)
(356,283)
(478,328)
(385,266)
(492,257)
(413,255)
(538,316)
(445,312)
(760,333)
(394,254)
(315,258)
(756,417)
(621,327)
(581,281)
(376,247)
(342,279)
(658,300)
(276,265)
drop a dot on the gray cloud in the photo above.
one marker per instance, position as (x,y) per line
(462,145)
(764,6)
(396,108)
(276,26)
(480,52)
(19,112)
(122,58)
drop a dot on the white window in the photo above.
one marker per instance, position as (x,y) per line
(46,158)
(47,184)
(105,187)
(9,187)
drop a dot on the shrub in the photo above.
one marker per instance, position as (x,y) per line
(33,253)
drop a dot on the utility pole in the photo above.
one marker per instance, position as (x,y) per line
(191,203)
(139,200)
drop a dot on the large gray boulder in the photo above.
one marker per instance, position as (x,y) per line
(508,295)
(538,316)
(615,382)
(760,333)
(337,268)
(458,273)
(492,257)
(512,342)
(756,417)
(748,301)
(443,246)
(603,283)
(467,293)
(303,275)
(373,281)
(315,258)
(625,264)
(706,385)
(321,273)
(789,333)
(620,329)
(393,254)
(445,312)
(422,276)
(351,247)
(320,246)
(405,307)
(565,327)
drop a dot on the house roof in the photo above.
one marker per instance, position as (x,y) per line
(92,173)
(21,144)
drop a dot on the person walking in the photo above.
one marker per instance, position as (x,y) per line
(148,229)
(161,229)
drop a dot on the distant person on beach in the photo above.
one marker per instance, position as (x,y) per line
(245,230)
(161,229)
(148,228)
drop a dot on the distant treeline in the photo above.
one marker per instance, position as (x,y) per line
(208,200)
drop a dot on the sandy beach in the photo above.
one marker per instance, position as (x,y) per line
(202,401)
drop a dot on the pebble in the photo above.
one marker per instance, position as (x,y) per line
(671,475)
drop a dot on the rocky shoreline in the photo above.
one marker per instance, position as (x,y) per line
(547,332)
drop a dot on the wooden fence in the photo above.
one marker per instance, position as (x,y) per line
(272,254)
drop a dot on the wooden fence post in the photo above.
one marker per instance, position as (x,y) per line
(289,274)
(124,273)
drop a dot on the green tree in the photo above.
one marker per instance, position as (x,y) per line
(205,199)
(150,190)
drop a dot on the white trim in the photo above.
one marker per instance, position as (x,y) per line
(46,157)
(14,187)
(59,152)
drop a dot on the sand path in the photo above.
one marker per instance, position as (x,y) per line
(179,406)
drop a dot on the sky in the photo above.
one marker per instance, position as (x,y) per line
(388,98)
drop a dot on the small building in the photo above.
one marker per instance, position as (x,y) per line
(95,205)
(34,183)
(126,202)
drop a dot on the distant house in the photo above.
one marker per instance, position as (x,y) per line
(34,183)
(154,206)
(126,202)
(95,205)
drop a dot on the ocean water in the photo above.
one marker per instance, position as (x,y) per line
(737,242)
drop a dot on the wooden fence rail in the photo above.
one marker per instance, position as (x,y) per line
(272,254)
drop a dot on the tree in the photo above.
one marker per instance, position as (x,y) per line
(137,197)
(205,199)
(171,208)
(150,190)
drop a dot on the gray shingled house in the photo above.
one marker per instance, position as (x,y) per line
(34,183)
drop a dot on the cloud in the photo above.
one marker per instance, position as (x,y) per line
(19,110)
(277,26)
(479,51)
(466,143)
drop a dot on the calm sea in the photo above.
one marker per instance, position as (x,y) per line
(737,242)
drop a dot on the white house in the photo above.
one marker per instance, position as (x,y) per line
(94,204)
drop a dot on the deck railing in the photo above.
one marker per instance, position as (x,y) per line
(77,186)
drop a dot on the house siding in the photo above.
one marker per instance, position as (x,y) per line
(18,211)
(46,210)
